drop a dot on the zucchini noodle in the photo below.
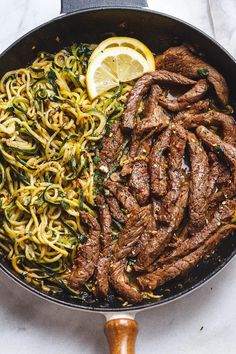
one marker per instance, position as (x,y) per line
(49,136)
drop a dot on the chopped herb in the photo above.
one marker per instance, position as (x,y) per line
(52,80)
(220,149)
(83,49)
(10,109)
(96,160)
(64,205)
(114,236)
(81,202)
(62,194)
(72,163)
(130,262)
(40,200)
(203,72)
(82,239)
(117,224)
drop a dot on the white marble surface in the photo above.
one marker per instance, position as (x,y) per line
(30,325)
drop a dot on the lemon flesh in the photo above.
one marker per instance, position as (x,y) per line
(128,42)
(112,66)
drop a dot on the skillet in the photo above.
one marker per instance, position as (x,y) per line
(159,32)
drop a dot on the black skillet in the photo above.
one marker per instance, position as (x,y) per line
(159,32)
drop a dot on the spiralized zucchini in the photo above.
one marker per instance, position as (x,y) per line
(49,135)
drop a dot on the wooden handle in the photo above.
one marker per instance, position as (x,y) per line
(121,334)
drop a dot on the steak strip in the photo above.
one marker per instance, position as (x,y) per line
(182,60)
(158,164)
(152,100)
(193,95)
(141,87)
(224,213)
(155,119)
(214,118)
(174,202)
(123,195)
(87,255)
(134,228)
(106,241)
(159,277)
(145,237)
(177,147)
(162,236)
(133,152)
(219,173)
(199,177)
(229,151)
(111,146)
(196,108)
(139,180)
(115,210)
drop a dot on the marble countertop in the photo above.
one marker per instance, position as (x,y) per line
(201,323)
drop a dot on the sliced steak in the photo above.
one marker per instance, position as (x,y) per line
(139,150)
(158,164)
(155,245)
(161,237)
(133,152)
(102,287)
(145,237)
(123,195)
(141,87)
(229,151)
(196,108)
(225,121)
(181,266)
(219,173)
(101,275)
(111,146)
(154,123)
(168,77)
(179,238)
(87,255)
(193,95)
(182,60)
(178,268)
(121,282)
(139,180)
(134,228)
(177,148)
(224,214)
(105,222)
(115,210)
(181,205)
(154,117)
(199,184)
(152,100)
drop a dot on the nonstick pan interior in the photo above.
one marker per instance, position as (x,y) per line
(159,32)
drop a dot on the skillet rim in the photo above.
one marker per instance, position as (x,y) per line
(135,308)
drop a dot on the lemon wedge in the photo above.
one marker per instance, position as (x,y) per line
(126,42)
(112,66)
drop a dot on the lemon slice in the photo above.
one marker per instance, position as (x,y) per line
(126,42)
(112,66)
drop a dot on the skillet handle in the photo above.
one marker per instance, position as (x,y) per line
(74,5)
(121,335)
